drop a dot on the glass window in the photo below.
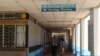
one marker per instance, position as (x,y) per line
(21,15)
(1,36)
(12,36)
(21,36)
(9,36)
(1,15)
(9,16)
(18,16)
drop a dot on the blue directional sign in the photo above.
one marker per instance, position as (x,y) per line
(58,7)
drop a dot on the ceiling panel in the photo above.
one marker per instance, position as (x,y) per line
(51,19)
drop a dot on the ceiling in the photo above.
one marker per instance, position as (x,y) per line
(51,19)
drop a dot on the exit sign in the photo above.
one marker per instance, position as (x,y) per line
(58,7)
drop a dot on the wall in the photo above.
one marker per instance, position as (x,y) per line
(13,51)
(35,34)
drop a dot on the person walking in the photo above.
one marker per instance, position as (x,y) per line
(54,46)
(61,51)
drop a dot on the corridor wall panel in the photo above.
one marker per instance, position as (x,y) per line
(35,34)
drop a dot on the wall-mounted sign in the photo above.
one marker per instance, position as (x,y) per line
(58,7)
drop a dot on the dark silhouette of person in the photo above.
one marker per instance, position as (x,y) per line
(54,46)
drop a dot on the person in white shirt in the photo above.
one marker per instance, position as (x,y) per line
(61,52)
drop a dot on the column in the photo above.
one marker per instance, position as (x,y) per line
(77,47)
(95,15)
(73,40)
(84,37)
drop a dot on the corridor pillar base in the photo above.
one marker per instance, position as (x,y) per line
(78,51)
(73,50)
(85,53)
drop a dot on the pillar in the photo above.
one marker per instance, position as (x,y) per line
(84,37)
(95,16)
(77,39)
(73,40)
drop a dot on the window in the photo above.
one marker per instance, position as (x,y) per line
(1,36)
(1,15)
(9,36)
(12,36)
(18,16)
(14,16)
(21,16)
(9,16)
(21,34)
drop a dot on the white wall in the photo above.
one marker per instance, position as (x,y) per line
(35,34)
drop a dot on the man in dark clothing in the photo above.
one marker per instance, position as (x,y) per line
(54,50)
(54,46)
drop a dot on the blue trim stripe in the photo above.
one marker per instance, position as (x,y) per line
(77,51)
(40,54)
(86,53)
(77,48)
(73,49)
(36,53)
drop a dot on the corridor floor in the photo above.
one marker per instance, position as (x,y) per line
(67,53)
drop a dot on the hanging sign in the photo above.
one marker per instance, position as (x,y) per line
(58,7)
